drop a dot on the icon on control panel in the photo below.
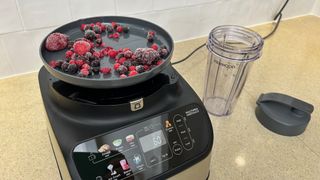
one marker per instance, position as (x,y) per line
(168,124)
(117,142)
(104,148)
(91,157)
(124,164)
(130,138)
(110,168)
(137,159)
(99,178)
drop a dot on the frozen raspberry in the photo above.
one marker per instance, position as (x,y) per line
(105,70)
(53,64)
(79,62)
(89,34)
(159,62)
(72,68)
(81,47)
(154,46)
(112,53)
(151,33)
(122,76)
(82,27)
(122,69)
(95,63)
(84,73)
(85,66)
(146,67)
(96,29)
(132,68)
(116,35)
(116,66)
(119,29)
(72,61)
(64,66)
(69,54)
(97,54)
(128,54)
(98,36)
(140,69)
(146,55)
(133,73)
(122,60)
(103,27)
(114,25)
(56,42)
(125,29)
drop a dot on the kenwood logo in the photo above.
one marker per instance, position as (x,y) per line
(228,66)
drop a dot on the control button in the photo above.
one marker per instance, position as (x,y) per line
(91,157)
(187,144)
(104,148)
(177,149)
(124,164)
(168,124)
(110,168)
(153,160)
(137,159)
(99,178)
(183,132)
(130,138)
(117,142)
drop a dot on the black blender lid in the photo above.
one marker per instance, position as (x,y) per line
(283,114)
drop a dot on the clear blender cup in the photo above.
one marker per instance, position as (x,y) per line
(232,50)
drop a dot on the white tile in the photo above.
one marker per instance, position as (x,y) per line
(89,8)
(22,51)
(125,7)
(298,7)
(316,8)
(5,66)
(194,2)
(9,17)
(168,4)
(44,13)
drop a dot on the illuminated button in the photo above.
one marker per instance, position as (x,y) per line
(177,149)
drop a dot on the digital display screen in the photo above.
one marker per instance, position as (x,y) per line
(152,141)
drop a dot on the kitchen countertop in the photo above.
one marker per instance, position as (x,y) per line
(243,148)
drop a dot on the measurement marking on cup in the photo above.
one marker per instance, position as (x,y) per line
(228,66)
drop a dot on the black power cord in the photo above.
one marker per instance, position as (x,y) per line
(278,17)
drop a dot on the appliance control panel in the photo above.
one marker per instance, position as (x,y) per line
(145,149)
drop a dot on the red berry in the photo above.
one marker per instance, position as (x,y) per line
(154,46)
(82,26)
(116,35)
(159,62)
(56,42)
(69,53)
(103,27)
(122,60)
(72,61)
(105,70)
(110,36)
(126,49)
(119,29)
(98,36)
(112,53)
(53,64)
(79,62)
(151,33)
(116,66)
(97,54)
(81,47)
(123,76)
(146,67)
(98,23)
(85,66)
(91,25)
(132,68)
(133,73)
(114,24)
(84,72)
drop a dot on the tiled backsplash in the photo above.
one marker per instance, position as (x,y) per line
(24,23)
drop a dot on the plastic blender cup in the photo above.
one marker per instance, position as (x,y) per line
(232,50)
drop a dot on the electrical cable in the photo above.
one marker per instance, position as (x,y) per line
(278,17)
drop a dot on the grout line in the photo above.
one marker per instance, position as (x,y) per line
(8,57)
(70,11)
(19,74)
(20,15)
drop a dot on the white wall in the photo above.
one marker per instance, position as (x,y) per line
(24,23)
(316,8)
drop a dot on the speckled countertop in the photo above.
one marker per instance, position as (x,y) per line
(243,148)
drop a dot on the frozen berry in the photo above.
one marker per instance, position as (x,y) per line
(116,35)
(86,27)
(53,64)
(112,53)
(85,66)
(132,68)
(84,72)
(120,55)
(89,56)
(159,62)
(95,63)
(154,46)
(64,66)
(97,54)
(114,25)
(122,76)
(98,41)
(125,29)
(163,52)
(133,73)
(150,38)
(89,34)
(103,27)
(151,33)
(146,67)
(69,54)
(72,61)
(122,60)
(70,44)
(119,29)
(128,54)
(122,69)
(81,47)
(146,55)
(109,29)
(127,63)
(96,29)
(72,68)
(105,70)
(116,66)
(79,62)
(140,69)
(56,42)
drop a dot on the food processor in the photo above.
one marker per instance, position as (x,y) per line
(151,126)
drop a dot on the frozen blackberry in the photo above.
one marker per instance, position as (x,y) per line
(150,38)
(128,54)
(127,63)
(125,29)
(96,29)
(64,66)
(89,56)
(109,29)
(72,68)
(146,55)
(87,27)
(140,69)
(163,52)
(89,34)
(134,63)
(95,63)
(95,69)
(70,44)
(98,41)
(122,69)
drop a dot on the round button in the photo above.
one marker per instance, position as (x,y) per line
(177,149)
